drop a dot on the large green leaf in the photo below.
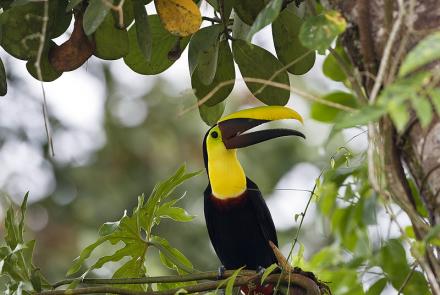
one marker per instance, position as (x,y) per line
(201,41)
(225,72)
(21,26)
(48,73)
(425,52)
(163,43)
(211,115)
(207,64)
(289,49)
(111,42)
(94,15)
(171,257)
(318,32)
(265,17)
(143,31)
(377,287)
(325,113)
(331,67)
(248,10)
(256,62)
(3,80)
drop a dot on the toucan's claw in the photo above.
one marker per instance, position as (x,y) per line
(260,270)
(221,272)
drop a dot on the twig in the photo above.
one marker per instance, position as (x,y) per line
(37,64)
(408,277)
(148,280)
(271,83)
(387,53)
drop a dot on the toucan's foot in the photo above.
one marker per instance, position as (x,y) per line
(260,270)
(221,272)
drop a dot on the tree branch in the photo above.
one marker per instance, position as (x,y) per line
(244,278)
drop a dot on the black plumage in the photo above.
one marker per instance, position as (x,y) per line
(240,228)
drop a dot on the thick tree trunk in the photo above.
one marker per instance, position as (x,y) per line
(372,25)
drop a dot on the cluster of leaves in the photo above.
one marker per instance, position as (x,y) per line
(134,232)
(414,88)
(356,257)
(149,44)
(18,274)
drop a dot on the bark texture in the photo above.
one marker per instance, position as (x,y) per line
(417,150)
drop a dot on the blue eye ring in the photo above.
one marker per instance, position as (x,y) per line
(214,134)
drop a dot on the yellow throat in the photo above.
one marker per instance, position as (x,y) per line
(226,175)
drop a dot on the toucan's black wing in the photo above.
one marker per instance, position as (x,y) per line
(262,212)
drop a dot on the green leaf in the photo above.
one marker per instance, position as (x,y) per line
(327,114)
(48,73)
(331,67)
(240,29)
(211,115)
(416,285)
(289,49)
(3,80)
(268,271)
(207,64)
(268,69)
(248,10)
(425,52)
(72,4)
(111,42)
(224,80)
(435,98)
(363,116)
(94,15)
(377,287)
(134,268)
(163,43)
(433,233)
(231,281)
(392,259)
(143,31)
(162,191)
(19,30)
(171,257)
(399,114)
(265,17)
(423,109)
(176,213)
(318,32)
(201,41)
(59,19)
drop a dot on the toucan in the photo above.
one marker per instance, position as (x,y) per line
(238,220)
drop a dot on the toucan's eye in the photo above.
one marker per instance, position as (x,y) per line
(214,134)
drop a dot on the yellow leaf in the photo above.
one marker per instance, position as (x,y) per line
(180,17)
